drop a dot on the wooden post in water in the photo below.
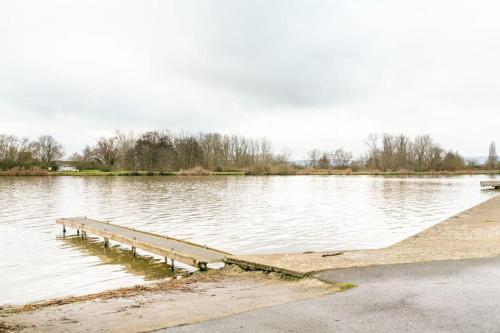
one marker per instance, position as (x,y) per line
(133,251)
(171,263)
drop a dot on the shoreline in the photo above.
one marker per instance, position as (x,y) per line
(177,283)
(180,301)
(247,174)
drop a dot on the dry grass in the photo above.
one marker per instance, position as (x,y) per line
(197,171)
(20,171)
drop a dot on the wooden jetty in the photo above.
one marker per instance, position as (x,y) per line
(175,249)
(491,183)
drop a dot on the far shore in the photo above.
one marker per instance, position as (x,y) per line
(203,172)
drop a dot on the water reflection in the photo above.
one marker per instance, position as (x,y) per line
(235,214)
(148,267)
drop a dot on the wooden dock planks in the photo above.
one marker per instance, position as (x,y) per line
(186,252)
(491,183)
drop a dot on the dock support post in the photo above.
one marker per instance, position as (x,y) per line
(78,232)
(133,251)
(171,263)
(64,230)
(106,242)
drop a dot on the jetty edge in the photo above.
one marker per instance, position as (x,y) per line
(189,253)
(473,233)
(491,183)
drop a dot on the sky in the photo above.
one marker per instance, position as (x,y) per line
(305,74)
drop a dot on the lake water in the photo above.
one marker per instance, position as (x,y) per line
(236,214)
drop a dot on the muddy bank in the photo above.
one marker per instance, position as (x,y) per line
(165,304)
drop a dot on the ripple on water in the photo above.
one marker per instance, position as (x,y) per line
(237,214)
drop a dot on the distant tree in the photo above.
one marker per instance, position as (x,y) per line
(387,153)
(9,147)
(212,146)
(421,152)
(491,162)
(341,159)
(435,158)
(105,152)
(472,164)
(324,161)
(402,152)
(373,153)
(453,161)
(155,152)
(189,153)
(313,157)
(126,152)
(26,153)
(48,150)
(283,158)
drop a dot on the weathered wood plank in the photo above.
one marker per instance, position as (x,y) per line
(183,251)
(491,183)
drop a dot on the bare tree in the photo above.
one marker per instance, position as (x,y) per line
(189,153)
(106,152)
(422,148)
(387,153)
(491,162)
(126,154)
(324,161)
(372,160)
(313,157)
(435,157)
(48,150)
(402,147)
(341,159)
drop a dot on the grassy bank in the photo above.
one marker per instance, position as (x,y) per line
(288,172)
(144,173)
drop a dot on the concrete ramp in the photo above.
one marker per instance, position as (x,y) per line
(473,233)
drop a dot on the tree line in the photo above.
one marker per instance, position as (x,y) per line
(388,152)
(25,153)
(164,151)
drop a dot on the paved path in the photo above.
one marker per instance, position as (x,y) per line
(451,296)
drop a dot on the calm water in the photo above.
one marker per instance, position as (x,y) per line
(237,214)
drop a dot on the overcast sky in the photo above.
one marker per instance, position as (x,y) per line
(306,74)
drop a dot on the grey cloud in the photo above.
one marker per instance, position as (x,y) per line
(235,65)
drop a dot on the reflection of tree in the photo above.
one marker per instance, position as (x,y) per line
(147,267)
